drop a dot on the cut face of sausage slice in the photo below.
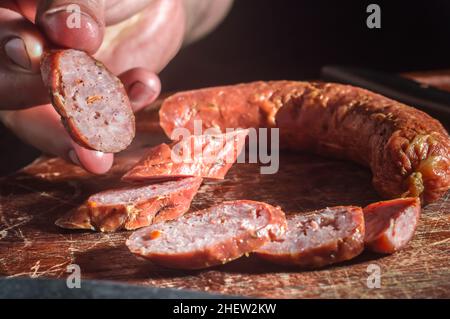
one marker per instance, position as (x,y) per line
(207,156)
(318,238)
(407,151)
(91,101)
(133,207)
(211,236)
(390,225)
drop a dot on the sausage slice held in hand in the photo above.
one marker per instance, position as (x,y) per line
(91,101)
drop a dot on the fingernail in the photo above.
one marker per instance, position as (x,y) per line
(139,92)
(74,158)
(63,28)
(54,17)
(16,51)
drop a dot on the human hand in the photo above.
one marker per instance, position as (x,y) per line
(134,39)
(28,27)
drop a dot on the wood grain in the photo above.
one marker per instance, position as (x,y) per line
(31,245)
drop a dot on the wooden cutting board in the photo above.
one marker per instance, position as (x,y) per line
(31,245)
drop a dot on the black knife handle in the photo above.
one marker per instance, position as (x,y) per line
(429,99)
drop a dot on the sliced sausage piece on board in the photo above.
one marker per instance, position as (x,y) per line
(207,156)
(91,101)
(318,238)
(407,150)
(133,207)
(390,225)
(209,237)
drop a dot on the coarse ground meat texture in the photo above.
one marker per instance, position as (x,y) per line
(318,238)
(209,237)
(91,101)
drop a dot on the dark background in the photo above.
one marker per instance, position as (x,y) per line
(288,39)
(293,39)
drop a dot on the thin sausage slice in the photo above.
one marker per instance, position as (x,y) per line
(211,236)
(407,150)
(390,225)
(207,156)
(133,207)
(91,101)
(318,238)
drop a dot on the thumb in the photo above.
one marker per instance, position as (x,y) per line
(77,24)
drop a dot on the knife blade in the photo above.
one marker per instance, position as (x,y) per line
(432,100)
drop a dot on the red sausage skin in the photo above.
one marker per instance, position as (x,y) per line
(390,225)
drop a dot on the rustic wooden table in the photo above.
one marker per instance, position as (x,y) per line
(31,245)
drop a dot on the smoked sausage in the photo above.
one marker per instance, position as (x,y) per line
(133,207)
(406,149)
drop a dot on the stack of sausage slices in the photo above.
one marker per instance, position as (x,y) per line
(96,112)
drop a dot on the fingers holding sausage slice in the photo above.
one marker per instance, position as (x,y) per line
(95,118)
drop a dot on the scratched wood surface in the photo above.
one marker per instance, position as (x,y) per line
(31,245)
